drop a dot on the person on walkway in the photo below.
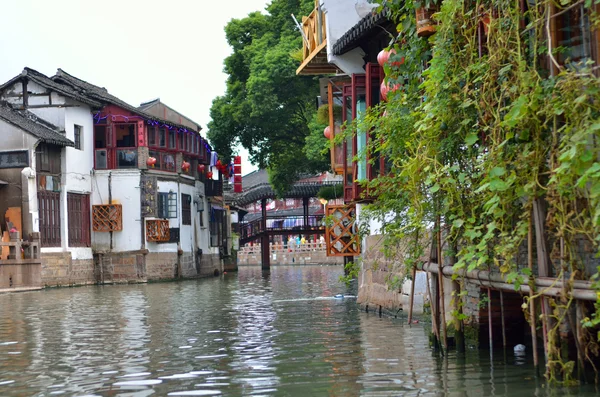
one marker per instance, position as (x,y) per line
(291,244)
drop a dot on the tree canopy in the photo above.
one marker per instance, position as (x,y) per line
(267,108)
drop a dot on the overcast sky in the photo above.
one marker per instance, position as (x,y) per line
(137,49)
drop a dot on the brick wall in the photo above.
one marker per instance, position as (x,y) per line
(59,269)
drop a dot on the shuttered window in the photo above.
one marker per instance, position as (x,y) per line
(49,210)
(79,219)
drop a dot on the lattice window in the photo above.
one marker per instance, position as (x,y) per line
(158,230)
(107,218)
(341,235)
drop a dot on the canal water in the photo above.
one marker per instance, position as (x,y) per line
(244,334)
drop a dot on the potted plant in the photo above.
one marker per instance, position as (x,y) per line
(424,13)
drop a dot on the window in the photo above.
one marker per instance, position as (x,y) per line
(126,158)
(48,158)
(575,35)
(216,227)
(167,205)
(162,137)
(49,210)
(79,219)
(181,142)
(151,135)
(125,134)
(77,136)
(186,209)
(172,140)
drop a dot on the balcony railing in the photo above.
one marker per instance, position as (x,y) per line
(314,49)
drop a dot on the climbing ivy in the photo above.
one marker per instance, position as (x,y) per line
(479,133)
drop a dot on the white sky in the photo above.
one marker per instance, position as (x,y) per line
(138,49)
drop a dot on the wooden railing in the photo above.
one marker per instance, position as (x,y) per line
(314,32)
(276,248)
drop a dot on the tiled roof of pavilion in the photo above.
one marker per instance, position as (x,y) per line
(257,187)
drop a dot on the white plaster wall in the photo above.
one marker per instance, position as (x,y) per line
(79,163)
(340,17)
(53,115)
(125,191)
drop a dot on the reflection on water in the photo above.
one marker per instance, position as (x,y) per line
(281,333)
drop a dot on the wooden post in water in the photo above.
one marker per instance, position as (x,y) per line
(441,284)
(532,317)
(412,294)
(490,332)
(502,318)
(264,241)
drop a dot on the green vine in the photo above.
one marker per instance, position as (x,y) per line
(483,129)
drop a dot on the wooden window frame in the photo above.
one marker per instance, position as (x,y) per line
(77,136)
(170,205)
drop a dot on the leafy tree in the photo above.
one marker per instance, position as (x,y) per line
(267,108)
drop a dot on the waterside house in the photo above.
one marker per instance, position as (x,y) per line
(116,193)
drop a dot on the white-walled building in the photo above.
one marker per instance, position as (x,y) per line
(128,197)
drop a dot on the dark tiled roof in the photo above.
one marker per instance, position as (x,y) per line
(102,95)
(30,123)
(45,81)
(257,187)
(362,29)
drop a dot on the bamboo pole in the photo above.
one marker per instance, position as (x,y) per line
(532,317)
(581,290)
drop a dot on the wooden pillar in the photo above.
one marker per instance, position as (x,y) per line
(305,208)
(265,252)
(264,241)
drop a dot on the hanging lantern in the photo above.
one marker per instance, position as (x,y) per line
(201,168)
(384,56)
(219,164)
(327,132)
(151,162)
(384,89)
(185,166)
(209,174)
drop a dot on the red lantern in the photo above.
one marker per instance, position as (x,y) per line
(219,164)
(327,132)
(201,168)
(151,161)
(383,57)
(209,174)
(385,88)
(185,166)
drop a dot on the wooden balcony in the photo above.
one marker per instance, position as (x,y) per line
(314,49)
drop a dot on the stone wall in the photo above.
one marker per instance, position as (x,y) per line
(161,266)
(59,269)
(121,267)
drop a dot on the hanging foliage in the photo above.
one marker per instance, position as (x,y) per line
(486,123)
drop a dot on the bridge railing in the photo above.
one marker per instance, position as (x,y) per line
(276,248)
(282,223)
